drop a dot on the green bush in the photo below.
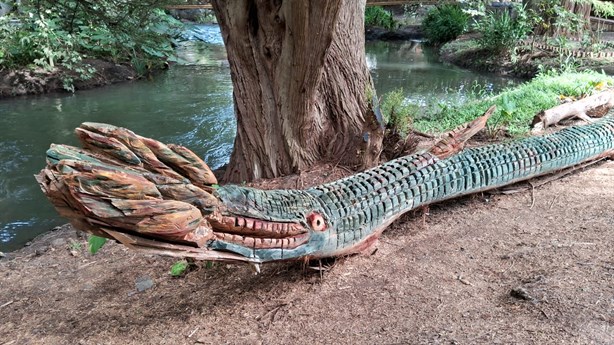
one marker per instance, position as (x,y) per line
(52,33)
(500,31)
(398,114)
(378,16)
(444,23)
(36,41)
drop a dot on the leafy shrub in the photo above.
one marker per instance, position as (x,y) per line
(500,31)
(36,40)
(507,113)
(397,113)
(378,16)
(552,18)
(444,23)
(52,33)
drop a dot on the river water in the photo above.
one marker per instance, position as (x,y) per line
(190,104)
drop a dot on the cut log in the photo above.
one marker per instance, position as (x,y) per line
(578,109)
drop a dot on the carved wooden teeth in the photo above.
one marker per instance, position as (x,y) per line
(257,228)
(264,243)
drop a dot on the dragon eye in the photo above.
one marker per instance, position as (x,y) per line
(316,222)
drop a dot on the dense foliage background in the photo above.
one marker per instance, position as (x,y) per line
(52,33)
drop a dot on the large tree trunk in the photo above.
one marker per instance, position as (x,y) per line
(582,9)
(302,90)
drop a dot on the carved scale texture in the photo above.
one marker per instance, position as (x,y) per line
(365,203)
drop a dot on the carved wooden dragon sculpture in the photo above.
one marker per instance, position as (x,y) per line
(164,199)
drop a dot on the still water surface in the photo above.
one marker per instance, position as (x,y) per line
(191,104)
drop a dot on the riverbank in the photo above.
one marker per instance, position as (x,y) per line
(481,270)
(526,62)
(38,81)
(28,81)
(403,33)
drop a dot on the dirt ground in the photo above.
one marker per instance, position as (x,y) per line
(535,267)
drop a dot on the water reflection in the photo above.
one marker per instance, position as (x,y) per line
(425,81)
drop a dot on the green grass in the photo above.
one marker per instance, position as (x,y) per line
(528,99)
(397,114)
(459,46)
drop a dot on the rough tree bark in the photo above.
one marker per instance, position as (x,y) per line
(582,9)
(302,90)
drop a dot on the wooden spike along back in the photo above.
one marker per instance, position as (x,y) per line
(454,141)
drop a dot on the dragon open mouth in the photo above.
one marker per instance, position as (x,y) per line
(259,234)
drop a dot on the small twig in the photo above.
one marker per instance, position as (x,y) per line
(192,333)
(552,203)
(607,267)
(339,161)
(299,182)
(425,212)
(422,134)
(86,264)
(543,312)
(510,266)
(462,280)
(275,310)
(346,169)
(7,304)
(272,310)
(532,195)
(391,243)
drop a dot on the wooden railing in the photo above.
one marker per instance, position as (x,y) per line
(406,2)
(602,24)
(369,3)
(189,7)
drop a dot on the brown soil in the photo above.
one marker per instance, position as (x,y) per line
(34,82)
(527,268)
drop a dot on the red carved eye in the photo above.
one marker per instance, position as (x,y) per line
(316,221)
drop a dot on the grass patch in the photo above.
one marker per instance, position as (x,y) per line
(458,46)
(517,106)
(397,113)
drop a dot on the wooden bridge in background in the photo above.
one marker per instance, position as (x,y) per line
(603,24)
(207,5)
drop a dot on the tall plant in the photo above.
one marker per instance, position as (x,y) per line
(444,23)
(500,31)
(378,16)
